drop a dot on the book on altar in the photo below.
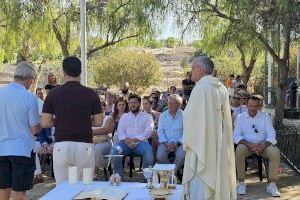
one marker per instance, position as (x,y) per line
(101,194)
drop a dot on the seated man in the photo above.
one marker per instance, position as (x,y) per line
(134,130)
(254,134)
(170,133)
(46,138)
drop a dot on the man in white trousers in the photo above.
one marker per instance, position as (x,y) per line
(76,109)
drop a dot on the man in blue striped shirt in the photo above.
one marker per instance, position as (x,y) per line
(19,121)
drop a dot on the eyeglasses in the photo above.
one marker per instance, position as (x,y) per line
(236,98)
(255,130)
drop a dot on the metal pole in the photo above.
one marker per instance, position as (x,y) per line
(297,76)
(298,64)
(83,77)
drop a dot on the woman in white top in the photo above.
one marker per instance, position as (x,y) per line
(108,131)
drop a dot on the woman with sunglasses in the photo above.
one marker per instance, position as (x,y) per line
(236,105)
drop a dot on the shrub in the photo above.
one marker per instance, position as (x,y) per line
(140,70)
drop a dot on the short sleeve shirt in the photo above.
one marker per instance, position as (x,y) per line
(18,112)
(73,106)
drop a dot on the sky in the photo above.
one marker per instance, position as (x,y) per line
(168,28)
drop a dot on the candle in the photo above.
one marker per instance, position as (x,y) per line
(87,176)
(73,174)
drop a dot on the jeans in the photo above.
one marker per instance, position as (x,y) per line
(143,149)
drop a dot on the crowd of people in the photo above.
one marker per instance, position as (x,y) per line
(195,128)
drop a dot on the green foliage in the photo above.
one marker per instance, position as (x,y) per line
(117,66)
(171,42)
(154,44)
(185,66)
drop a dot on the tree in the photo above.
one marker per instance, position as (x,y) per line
(116,67)
(222,38)
(111,22)
(26,35)
(170,42)
(256,18)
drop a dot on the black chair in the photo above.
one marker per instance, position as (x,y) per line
(49,159)
(260,162)
(106,170)
(131,162)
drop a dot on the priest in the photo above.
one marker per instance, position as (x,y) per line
(209,169)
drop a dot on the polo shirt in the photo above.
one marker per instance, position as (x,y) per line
(73,105)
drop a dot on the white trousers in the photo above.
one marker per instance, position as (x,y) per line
(37,150)
(67,154)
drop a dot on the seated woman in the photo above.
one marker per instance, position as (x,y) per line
(155,115)
(103,135)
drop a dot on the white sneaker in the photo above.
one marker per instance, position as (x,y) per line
(273,190)
(241,188)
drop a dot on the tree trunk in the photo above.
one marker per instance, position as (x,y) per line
(246,75)
(63,42)
(38,76)
(247,70)
(279,109)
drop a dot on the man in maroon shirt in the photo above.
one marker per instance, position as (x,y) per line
(76,109)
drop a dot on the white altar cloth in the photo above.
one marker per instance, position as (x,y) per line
(136,191)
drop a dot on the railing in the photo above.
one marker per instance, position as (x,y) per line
(289,144)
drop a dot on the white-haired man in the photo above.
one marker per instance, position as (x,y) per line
(19,120)
(209,170)
(170,133)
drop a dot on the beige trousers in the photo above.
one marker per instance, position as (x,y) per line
(67,154)
(271,153)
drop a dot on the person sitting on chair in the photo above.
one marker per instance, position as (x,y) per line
(170,133)
(134,130)
(254,134)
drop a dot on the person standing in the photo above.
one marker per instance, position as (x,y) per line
(187,85)
(19,121)
(52,82)
(230,84)
(209,169)
(76,109)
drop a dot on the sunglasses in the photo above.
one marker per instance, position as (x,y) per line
(255,130)
(236,98)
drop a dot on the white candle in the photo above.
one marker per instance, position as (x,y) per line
(87,176)
(73,174)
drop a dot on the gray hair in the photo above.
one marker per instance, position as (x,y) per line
(204,62)
(24,71)
(176,97)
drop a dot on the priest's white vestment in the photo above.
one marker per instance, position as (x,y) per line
(209,169)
